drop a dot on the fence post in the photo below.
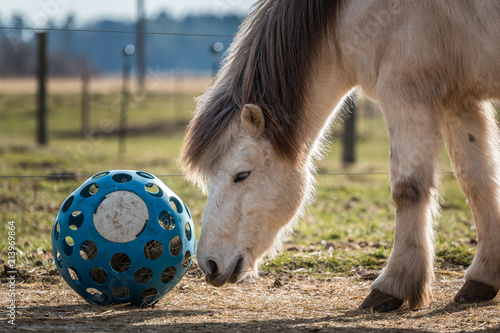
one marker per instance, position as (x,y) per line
(42,90)
(349,136)
(85,100)
(127,64)
(141,45)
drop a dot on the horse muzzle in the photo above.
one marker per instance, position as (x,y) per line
(217,276)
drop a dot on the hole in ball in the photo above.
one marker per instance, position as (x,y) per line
(188,231)
(59,259)
(69,240)
(175,246)
(74,274)
(98,275)
(153,189)
(168,274)
(57,228)
(120,262)
(153,250)
(94,189)
(145,175)
(89,190)
(88,250)
(148,295)
(122,178)
(100,174)
(166,220)
(176,205)
(75,220)
(67,245)
(186,261)
(67,204)
(121,293)
(95,294)
(143,275)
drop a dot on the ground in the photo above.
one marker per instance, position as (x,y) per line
(288,302)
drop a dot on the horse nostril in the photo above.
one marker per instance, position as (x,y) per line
(213,269)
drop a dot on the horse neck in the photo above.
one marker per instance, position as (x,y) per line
(325,92)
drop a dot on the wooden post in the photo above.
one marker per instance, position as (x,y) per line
(141,45)
(86,130)
(42,89)
(349,136)
(127,64)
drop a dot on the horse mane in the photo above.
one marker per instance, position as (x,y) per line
(269,64)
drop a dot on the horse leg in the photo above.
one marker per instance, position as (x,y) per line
(414,141)
(471,136)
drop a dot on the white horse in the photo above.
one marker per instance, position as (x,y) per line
(432,65)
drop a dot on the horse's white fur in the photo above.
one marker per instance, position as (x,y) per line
(429,84)
(259,211)
(431,65)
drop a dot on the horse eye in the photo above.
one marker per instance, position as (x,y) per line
(242,176)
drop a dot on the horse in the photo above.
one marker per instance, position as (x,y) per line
(433,66)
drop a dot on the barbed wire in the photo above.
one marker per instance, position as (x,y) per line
(119,32)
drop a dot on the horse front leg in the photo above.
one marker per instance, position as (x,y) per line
(414,141)
(471,136)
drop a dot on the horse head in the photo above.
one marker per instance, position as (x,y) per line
(252,196)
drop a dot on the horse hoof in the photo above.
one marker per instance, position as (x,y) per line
(381,302)
(473,292)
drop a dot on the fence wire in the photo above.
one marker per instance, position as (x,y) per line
(71,176)
(119,32)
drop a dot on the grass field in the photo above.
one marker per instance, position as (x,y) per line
(342,242)
(350,224)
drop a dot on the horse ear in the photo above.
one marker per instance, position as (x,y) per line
(252,119)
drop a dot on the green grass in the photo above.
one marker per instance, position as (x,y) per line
(342,262)
(349,225)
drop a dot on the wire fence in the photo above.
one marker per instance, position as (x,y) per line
(119,32)
(159,33)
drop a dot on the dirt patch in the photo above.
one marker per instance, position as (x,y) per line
(289,303)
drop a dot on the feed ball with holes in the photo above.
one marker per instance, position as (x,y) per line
(123,237)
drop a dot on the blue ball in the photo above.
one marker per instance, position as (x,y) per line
(123,237)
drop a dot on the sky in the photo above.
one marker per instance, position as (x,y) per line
(38,12)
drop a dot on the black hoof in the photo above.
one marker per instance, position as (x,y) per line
(381,302)
(473,292)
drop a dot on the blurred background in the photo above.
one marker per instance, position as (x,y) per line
(71,49)
(75,73)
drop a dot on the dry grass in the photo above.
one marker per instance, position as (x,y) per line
(186,260)
(88,250)
(120,262)
(289,303)
(168,274)
(153,250)
(98,275)
(175,246)
(106,85)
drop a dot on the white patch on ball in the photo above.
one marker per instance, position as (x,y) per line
(121,217)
